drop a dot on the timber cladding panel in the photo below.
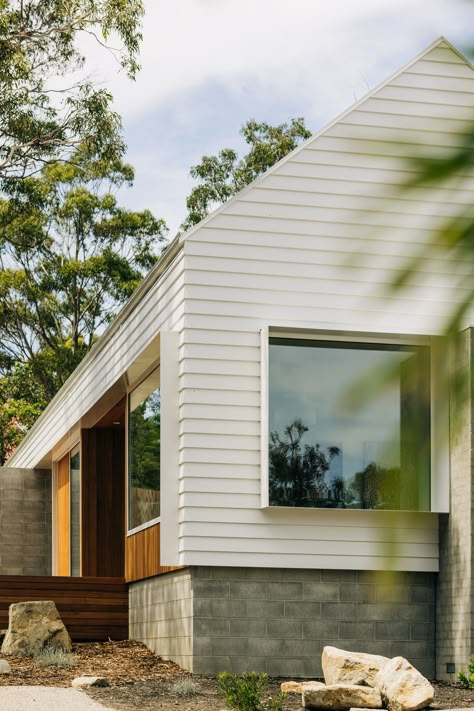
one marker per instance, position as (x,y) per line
(63,517)
(103,501)
(142,555)
(91,608)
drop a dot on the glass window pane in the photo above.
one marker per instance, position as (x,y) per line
(144,452)
(75,492)
(322,453)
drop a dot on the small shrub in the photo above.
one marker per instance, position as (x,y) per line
(54,657)
(246,692)
(467,680)
(277,703)
(185,687)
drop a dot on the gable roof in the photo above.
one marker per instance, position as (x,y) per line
(33,446)
(440,43)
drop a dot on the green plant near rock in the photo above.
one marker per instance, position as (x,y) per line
(55,657)
(248,692)
(467,680)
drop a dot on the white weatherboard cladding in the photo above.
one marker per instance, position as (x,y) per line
(314,245)
(160,309)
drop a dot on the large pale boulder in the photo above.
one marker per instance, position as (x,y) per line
(342,697)
(342,667)
(402,686)
(33,626)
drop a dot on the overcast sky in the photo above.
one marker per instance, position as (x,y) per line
(209,65)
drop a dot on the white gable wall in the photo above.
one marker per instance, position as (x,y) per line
(312,245)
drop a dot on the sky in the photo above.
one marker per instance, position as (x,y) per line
(210,65)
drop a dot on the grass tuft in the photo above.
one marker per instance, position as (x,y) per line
(54,657)
(185,687)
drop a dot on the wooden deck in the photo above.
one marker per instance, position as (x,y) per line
(91,608)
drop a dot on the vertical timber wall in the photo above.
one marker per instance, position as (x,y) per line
(25,522)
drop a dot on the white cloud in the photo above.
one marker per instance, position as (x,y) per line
(304,47)
(209,65)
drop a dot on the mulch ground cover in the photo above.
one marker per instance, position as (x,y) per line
(140,680)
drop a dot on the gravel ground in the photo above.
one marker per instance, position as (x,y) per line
(39,698)
(140,681)
(160,695)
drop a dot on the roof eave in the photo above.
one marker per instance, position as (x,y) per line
(167,258)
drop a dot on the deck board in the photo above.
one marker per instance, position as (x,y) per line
(92,609)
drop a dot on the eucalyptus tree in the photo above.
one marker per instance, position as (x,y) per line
(225,174)
(91,254)
(49,103)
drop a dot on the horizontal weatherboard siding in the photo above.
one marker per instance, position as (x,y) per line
(315,244)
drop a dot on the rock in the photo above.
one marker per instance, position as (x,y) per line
(402,686)
(291,687)
(342,697)
(33,626)
(354,709)
(341,667)
(298,687)
(5,668)
(81,681)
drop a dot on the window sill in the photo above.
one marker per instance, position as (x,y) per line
(143,526)
(268,507)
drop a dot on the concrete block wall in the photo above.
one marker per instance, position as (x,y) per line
(456,577)
(246,619)
(25,522)
(278,621)
(160,615)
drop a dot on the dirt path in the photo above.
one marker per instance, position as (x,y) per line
(40,698)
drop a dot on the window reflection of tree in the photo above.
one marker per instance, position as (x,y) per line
(144,443)
(297,472)
(375,487)
(298,476)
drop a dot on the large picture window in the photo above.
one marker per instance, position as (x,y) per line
(325,454)
(144,452)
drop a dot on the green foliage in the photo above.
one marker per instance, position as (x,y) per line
(89,256)
(467,680)
(453,242)
(144,438)
(22,400)
(247,692)
(44,112)
(219,177)
(16,417)
(54,657)
(375,487)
